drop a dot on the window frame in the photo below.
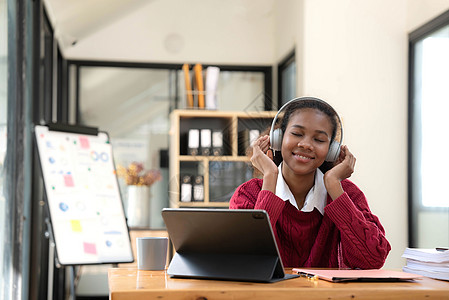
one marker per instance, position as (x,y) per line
(77,64)
(414,136)
(284,64)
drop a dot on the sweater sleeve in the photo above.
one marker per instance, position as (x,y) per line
(250,196)
(363,241)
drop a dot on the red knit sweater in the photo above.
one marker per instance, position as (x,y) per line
(348,235)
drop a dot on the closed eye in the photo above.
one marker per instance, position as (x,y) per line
(297,134)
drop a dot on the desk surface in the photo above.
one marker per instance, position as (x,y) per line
(134,284)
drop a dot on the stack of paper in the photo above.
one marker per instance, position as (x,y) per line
(432,263)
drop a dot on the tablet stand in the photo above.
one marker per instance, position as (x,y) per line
(258,268)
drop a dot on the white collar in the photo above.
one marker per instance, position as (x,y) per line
(316,197)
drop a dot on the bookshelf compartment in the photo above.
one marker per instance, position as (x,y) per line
(222,125)
(221,174)
(225,177)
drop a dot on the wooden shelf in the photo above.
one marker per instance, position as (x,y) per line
(214,169)
(202,204)
(213,158)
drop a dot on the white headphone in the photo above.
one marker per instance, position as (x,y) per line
(276,134)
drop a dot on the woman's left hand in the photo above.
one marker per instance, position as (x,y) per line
(343,168)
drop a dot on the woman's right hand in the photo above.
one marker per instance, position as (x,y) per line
(262,159)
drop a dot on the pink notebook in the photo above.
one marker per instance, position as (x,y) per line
(356,275)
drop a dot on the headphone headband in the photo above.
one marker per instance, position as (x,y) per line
(276,135)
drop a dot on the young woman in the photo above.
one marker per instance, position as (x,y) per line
(318,216)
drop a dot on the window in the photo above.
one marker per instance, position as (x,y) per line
(287,79)
(428,144)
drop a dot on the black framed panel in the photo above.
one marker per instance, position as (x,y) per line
(286,63)
(266,70)
(432,26)
(47,69)
(63,89)
(46,87)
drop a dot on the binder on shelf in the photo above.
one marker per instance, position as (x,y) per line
(246,139)
(211,87)
(186,188)
(217,143)
(253,136)
(188,85)
(198,188)
(206,141)
(193,142)
(198,70)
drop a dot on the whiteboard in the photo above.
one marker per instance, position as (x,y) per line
(86,212)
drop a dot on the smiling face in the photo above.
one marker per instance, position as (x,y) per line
(306,141)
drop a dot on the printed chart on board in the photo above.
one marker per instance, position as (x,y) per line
(86,212)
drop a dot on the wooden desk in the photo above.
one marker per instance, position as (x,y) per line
(136,285)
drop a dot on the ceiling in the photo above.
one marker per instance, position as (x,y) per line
(76,20)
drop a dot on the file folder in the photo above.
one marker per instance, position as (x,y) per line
(186,188)
(356,275)
(212,74)
(253,136)
(193,142)
(188,85)
(198,69)
(198,188)
(206,141)
(217,143)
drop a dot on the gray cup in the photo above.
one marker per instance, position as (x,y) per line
(151,253)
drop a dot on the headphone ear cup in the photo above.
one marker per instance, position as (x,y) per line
(334,151)
(276,139)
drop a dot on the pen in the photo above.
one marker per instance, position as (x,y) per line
(441,249)
(308,276)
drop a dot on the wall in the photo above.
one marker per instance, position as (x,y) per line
(420,12)
(289,26)
(355,57)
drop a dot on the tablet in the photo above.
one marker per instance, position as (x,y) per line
(226,244)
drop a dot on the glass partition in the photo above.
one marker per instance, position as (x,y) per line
(132,104)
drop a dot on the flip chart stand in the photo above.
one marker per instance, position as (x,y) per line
(86,222)
(53,262)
